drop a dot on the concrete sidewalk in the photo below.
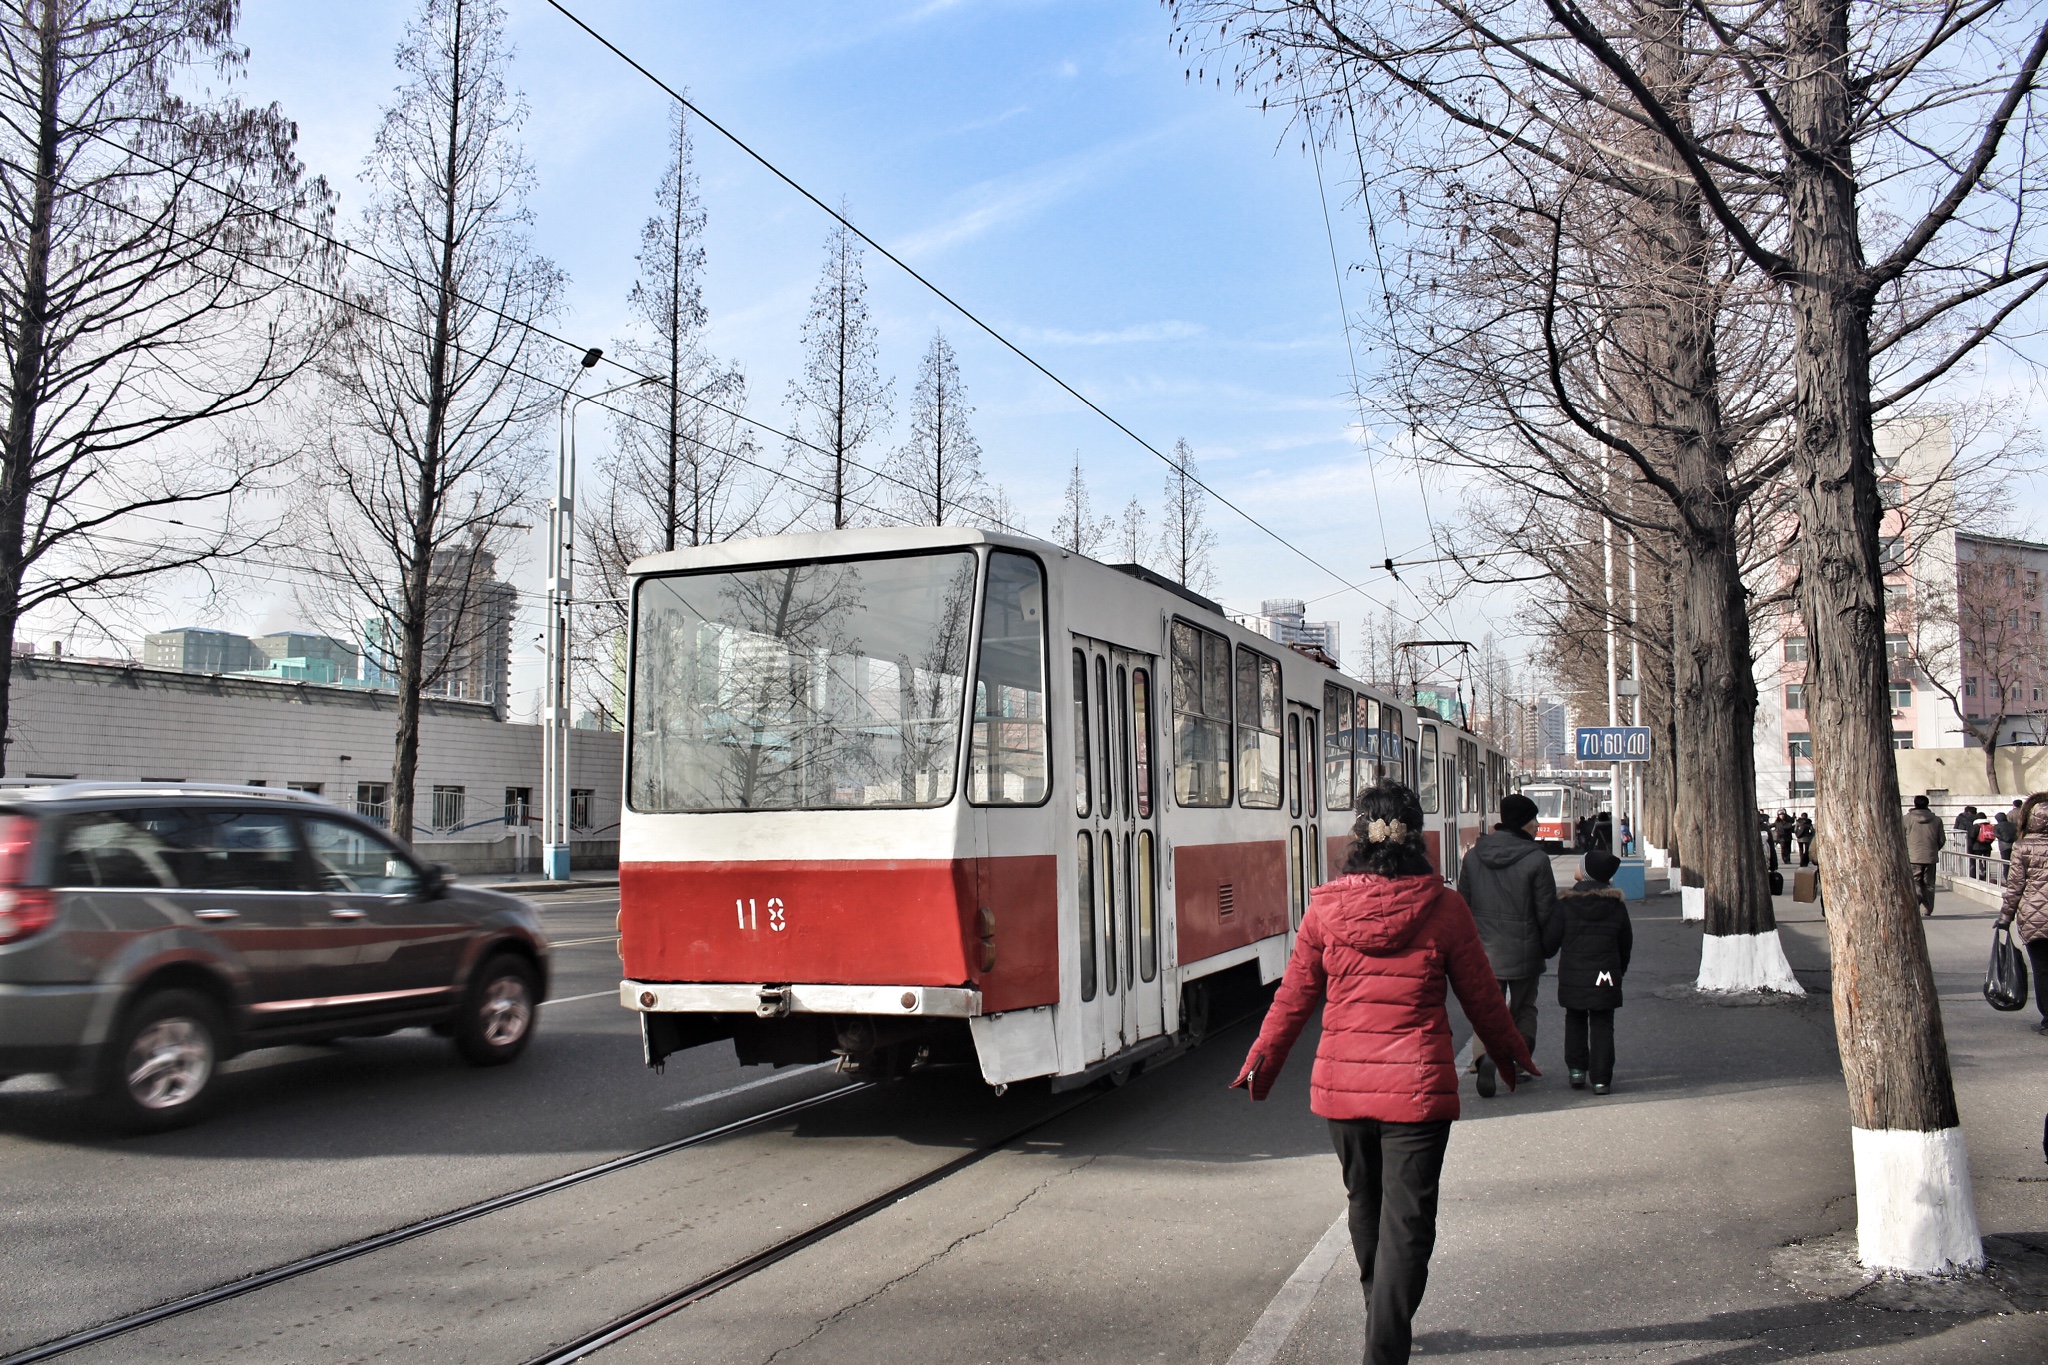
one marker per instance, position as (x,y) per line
(1659,1224)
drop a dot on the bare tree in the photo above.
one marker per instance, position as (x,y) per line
(1870,162)
(1130,533)
(840,403)
(1980,644)
(936,477)
(434,414)
(1185,542)
(153,250)
(1078,528)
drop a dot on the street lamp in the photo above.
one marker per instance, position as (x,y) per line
(554,711)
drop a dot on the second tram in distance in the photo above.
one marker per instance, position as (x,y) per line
(946,794)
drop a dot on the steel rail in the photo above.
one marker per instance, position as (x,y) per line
(349,1251)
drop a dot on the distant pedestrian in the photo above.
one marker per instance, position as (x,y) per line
(1965,824)
(1592,937)
(1802,830)
(1582,834)
(1603,830)
(1374,950)
(1981,838)
(2006,830)
(1782,827)
(2026,895)
(1924,840)
(1628,839)
(1507,881)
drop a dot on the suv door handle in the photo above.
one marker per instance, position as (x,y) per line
(216,914)
(346,912)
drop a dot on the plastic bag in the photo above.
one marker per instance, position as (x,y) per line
(2005,980)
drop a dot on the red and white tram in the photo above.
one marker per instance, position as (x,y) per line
(1559,808)
(950,793)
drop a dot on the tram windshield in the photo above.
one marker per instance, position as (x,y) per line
(800,686)
(1549,801)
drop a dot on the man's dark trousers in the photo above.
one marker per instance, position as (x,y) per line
(1391,1171)
(1521,996)
(1923,882)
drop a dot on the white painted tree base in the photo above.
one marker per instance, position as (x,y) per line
(1915,1210)
(1692,900)
(1745,962)
(1654,856)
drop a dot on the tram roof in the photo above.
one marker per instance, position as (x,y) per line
(855,543)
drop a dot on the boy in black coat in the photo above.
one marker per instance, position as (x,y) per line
(1592,936)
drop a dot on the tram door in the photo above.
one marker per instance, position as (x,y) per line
(1304,836)
(1115,716)
(1452,801)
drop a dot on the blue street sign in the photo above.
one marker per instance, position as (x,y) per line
(1614,743)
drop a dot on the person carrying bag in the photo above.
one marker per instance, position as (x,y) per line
(2024,908)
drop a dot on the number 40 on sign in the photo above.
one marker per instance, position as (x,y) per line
(1614,743)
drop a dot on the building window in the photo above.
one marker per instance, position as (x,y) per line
(447,811)
(1891,553)
(518,805)
(1891,493)
(1895,647)
(257,782)
(1894,601)
(309,788)
(1795,696)
(580,801)
(1201,716)
(1969,687)
(1800,745)
(1801,788)
(1902,739)
(2035,624)
(373,802)
(1795,649)
(1902,696)
(1258,731)
(2033,581)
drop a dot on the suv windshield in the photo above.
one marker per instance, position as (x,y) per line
(801,686)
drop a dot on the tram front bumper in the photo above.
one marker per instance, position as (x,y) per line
(775,1001)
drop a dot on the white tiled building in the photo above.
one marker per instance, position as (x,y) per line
(479,778)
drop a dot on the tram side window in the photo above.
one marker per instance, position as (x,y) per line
(1084,905)
(1084,770)
(1475,776)
(1008,761)
(1337,747)
(1258,731)
(1201,717)
(1368,737)
(1294,767)
(1426,769)
(1390,739)
(1141,735)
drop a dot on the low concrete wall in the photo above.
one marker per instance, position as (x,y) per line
(1961,773)
(470,857)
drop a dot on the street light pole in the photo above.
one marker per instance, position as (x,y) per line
(554,710)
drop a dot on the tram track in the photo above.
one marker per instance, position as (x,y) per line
(348,1251)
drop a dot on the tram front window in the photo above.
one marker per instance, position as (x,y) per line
(800,686)
(1549,802)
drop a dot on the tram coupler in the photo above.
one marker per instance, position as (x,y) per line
(773,1003)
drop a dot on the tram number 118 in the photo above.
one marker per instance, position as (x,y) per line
(749,912)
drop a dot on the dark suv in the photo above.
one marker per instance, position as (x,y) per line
(148,932)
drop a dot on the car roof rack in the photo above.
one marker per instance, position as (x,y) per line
(72,791)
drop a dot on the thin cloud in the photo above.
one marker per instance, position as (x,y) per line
(1169,330)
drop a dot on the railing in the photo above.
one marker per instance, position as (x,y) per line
(1983,869)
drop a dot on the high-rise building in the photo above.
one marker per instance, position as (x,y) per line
(1553,742)
(196,649)
(1281,619)
(317,658)
(469,629)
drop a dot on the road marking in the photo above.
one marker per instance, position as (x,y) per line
(572,999)
(750,1085)
(1262,1344)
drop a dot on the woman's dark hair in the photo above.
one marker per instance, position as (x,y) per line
(1389,803)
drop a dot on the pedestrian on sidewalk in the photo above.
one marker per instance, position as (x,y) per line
(1374,951)
(1966,824)
(1592,937)
(2025,903)
(1802,830)
(1628,839)
(1507,881)
(2005,828)
(1783,827)
(1924,840)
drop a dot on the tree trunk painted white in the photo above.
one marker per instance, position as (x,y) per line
(1692,900)
(1746,962)
(1915,1209)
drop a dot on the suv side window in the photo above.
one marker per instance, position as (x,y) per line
(117,848)
(231,850)
(346,858)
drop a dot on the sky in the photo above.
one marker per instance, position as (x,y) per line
(1155,240)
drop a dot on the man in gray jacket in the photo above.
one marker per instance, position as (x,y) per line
(1924,840)
(1507,881)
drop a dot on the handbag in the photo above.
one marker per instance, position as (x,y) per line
(2005,980)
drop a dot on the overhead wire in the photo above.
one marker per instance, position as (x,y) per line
(986,328)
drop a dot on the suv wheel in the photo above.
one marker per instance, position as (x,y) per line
(498,1011)
(159,1067)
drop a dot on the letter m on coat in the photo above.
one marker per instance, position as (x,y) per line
(1604,979)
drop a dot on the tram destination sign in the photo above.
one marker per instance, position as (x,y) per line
(1614,743)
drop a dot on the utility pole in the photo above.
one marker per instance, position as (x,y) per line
(554,708)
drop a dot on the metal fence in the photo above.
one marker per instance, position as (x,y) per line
(1960,865)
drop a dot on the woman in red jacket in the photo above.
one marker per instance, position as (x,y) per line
(1375,949)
